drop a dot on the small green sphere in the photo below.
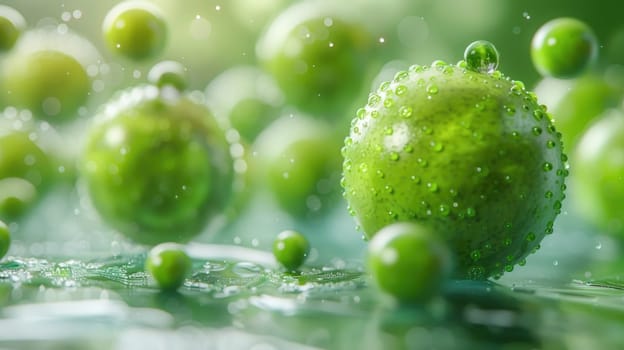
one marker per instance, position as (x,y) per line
(12,24)
(408,261)
(5,239)
(291,248)
(136,30)
(169,264)
(564,48)
(481,56)
(168,73)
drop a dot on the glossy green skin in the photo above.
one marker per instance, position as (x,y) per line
(598,172)
(301,161)
(168,73)
(439,146)
(157,170)
(169,265)
(408,261)
(33,79)
(563,48)
(322,72)
(12,25)
(291,249)
(135,30)
(5,239)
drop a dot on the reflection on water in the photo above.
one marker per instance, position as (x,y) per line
(229,303)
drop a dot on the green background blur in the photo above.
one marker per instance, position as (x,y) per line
(210,36)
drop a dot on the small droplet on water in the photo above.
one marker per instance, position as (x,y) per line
(481,56)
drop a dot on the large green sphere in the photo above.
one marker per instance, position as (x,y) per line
(472,156)
(157,168)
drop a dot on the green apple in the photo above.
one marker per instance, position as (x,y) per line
(299,160)
(472,156)
(598,171)
(157,166)
(319,56)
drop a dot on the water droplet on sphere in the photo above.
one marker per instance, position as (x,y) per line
(481,56)
(405,111)
(432,89)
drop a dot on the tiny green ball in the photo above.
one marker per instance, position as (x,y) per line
(564,48)
(481,56)
(291,248)
(407,261)
(12,24)
(168,264)
(168,73)
(136,30)
(5,239)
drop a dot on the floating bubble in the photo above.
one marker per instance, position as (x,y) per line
(482,56)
